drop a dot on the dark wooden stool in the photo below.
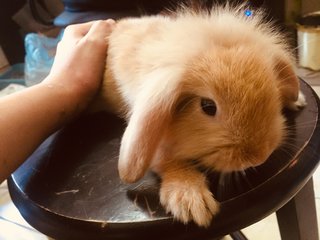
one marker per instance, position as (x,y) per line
(69,188)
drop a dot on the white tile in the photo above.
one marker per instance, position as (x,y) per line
(226,238)
(3,60)
(318,213)
(10,213)
(316,89)
(12,224)
(4,194)
(316,183)
(264,230)
(10,231)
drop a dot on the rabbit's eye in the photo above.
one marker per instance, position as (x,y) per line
(208,106)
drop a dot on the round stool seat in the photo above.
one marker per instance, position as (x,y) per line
(70,189)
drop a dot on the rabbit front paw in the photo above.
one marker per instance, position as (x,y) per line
(189,202)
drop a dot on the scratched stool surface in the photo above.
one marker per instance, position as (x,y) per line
(70,189)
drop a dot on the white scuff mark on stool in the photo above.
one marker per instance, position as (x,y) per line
(104,224)
(151,213)
(91,189)
(85,211)
(135,201)
(74,191)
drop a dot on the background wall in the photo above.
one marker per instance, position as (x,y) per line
(16,20)
(310,6)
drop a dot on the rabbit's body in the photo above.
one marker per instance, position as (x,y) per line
(198,86)
(147,46)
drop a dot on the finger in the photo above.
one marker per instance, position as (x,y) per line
(101,29)
(78,30)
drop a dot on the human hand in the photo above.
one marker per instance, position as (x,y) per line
(80,60)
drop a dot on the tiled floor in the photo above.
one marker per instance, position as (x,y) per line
(13,226)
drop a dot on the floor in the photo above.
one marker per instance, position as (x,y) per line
(13,226)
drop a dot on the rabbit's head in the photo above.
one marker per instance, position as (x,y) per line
(222,107)
(230,117)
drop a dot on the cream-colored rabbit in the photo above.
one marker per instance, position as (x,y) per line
(205,87)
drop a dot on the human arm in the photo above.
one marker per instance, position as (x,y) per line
(29,116)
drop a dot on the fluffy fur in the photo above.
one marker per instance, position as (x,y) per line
(159,68)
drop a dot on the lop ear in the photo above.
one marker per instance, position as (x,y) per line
(151,114)
(288,82)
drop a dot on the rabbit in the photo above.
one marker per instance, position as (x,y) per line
(200,88)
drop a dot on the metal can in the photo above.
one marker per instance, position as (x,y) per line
(308,33)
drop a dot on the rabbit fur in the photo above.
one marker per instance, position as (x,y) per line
(160,68)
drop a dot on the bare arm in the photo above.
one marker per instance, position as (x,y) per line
(30,116)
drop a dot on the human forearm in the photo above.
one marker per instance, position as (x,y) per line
(28,117)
